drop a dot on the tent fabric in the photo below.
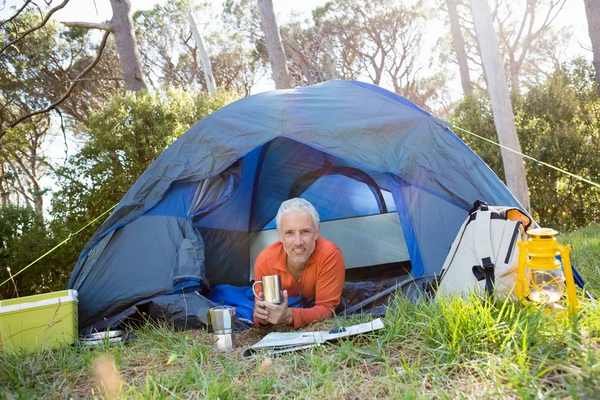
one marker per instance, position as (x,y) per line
(223,180)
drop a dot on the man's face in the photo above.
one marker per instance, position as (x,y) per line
(298,235)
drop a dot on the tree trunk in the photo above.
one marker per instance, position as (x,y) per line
(281,75)
(129,56)
(459,47)
(592,11)
(300,60)
(202,54)
(514,77)
(504,119)
(38,199)
(36,192)
(4,192)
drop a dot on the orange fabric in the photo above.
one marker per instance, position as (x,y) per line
(322,278)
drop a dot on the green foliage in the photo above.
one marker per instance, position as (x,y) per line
(475,114)
(21,229)
(14,222)
(558,121)
(38,69)
(585,243)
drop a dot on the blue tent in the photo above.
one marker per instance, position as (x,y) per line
(391,182)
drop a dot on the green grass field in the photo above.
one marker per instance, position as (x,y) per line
(453,349)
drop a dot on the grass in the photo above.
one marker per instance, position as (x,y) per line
(447,350)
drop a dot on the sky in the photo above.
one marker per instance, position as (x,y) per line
(99,10)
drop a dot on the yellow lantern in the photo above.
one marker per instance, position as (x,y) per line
(541,278)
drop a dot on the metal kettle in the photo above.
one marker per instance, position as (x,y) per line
(222,321)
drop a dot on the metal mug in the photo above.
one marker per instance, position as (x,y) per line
(271,285)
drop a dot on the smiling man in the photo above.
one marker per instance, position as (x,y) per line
(309,266)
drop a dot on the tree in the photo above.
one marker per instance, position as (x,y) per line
(28,27)
(459,48)
(46,72)
(310,53)
(121,25)
(21,229)
(519,37)
(592,12)
(209,78)
(501,105)
(528,42)
(170,56)
(381,40)
(24,9)
(280,72)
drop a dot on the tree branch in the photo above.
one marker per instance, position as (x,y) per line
(103,78)
(89,25)
(15,15)
(28,173)
(72,87)
(35,28)
(64,132)
(20,189)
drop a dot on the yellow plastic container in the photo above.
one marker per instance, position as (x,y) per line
(43,321)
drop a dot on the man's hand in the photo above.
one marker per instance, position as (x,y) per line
(275,314)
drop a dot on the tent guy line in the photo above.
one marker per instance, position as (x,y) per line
(578,177)
(58,245)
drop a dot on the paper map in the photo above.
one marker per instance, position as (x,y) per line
(281,342)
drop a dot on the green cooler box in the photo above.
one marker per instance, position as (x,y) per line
(42,321)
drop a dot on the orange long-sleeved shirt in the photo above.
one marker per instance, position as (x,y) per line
(322,278)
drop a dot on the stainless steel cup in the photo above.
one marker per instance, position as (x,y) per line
(271,288)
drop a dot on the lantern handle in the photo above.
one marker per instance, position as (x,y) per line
(565,255)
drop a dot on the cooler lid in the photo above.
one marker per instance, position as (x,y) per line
(38,300)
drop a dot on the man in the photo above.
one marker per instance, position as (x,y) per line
(309,266)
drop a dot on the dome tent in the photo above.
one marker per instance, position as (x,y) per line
(391,183)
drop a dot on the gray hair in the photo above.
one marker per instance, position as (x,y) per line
(297,204)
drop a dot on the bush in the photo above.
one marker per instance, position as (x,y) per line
(557,123)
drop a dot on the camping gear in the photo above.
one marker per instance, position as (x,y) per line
(283,342)
(359,306)
(222,321)
(271,288)
(99,338)
(392,185)
(484,255)
(541,276)
(42,321)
